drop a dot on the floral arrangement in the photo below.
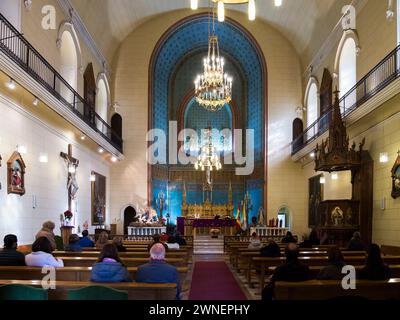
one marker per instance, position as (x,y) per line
(68,215)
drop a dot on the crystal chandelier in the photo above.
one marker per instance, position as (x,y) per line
(208,159)
(213,89)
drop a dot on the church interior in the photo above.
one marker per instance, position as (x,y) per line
(171,140)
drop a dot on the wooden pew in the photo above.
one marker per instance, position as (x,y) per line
(330,289)
(314,270)
(64,274)
(129,262)
(390,250)
(136,290)
(129,254)
(263,264)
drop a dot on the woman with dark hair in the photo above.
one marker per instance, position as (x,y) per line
(118,242)
(41,254)
(73,244)
(289,238)
(374,269)
(333,271)
(109,267)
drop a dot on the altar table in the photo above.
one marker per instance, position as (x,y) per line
(191,226)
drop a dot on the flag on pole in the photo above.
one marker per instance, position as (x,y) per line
(244,224)
(238,224)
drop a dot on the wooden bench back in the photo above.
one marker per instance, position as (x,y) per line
(322,290)
(136,291)
(129,262)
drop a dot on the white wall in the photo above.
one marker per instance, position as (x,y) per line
(47,181)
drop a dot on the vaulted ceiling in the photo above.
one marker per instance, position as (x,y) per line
(300,21)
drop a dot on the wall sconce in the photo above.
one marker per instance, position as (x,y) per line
(312,154)
(278,3)
(114,159)
(334,176)
(92,177)
(11,84)
(322,180)
(194,4)
(383,157)
(43,158)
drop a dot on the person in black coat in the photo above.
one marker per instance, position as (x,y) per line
(288,238)
(271,250)
(374,269)
(9,256)
(292,270)
(356,244)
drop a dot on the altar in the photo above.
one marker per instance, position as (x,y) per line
(201,226)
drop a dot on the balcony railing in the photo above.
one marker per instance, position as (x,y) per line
(17,48)
(371,84)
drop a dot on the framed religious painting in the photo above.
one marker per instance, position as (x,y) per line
(16,174)
(98,199)
(396,178)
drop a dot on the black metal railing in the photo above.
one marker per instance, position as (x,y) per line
(14,45)
(372,83)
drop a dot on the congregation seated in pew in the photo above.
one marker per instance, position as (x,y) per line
(41,255)
(291,270)
(85,241)
(356,244)
(157,270)
(172,244)
(375,268)
(288,238)
(47,231)
(118,242)
(9,256)
(109,267)
(255,242)
(73,244)
(102,240)
(271,250)
(333,271)
(310,240)
(157,239)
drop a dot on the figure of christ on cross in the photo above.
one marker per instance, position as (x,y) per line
(72,184)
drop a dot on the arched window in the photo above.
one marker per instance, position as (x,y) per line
(284,215)
(346,69)
(102,100)
(69,65)
(116,126)
(11,10)
(312,106)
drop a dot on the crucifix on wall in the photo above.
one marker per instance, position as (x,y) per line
(72,184)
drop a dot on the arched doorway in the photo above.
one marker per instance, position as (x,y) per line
(129,216)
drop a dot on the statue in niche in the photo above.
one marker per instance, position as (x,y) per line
(16,174)
(261,217)
(337,216)
(349,217)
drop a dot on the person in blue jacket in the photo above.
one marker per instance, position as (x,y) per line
(85,241)
(109,267)
(157,270)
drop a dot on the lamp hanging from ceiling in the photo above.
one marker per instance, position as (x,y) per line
(213,88)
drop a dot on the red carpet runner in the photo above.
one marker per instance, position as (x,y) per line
(214,281)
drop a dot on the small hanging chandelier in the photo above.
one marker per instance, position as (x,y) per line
(213,88)
(208,160)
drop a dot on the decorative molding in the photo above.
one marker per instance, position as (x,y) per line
(26,81)
(78,23)
(331,41)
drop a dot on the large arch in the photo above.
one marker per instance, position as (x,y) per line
(190,34)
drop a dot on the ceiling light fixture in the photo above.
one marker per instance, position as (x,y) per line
(334,176)
(252,10)
(11,84)
(194,4)
(221,11)
(83,137)
(114,159)
(35,102)
(92,177)
(278,3)
(100,150)
(322,180)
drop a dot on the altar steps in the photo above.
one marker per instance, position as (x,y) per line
(208,245)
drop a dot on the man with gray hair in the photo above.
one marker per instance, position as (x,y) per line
(157,270)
